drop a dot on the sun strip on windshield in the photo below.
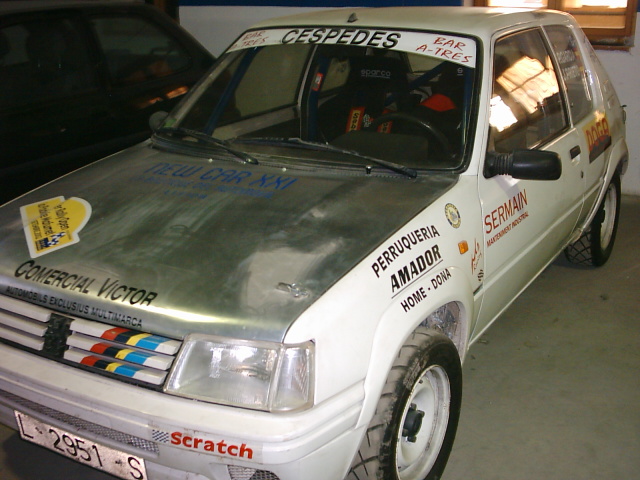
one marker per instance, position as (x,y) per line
(443,46)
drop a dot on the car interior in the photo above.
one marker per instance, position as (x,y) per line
(401,107)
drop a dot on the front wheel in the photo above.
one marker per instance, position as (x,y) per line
(594,247)
(412,431)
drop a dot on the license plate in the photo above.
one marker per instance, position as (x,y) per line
(80,449)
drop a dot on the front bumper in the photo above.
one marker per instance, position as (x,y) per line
(178,436)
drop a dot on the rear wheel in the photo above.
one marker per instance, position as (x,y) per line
(595,245)
(412,432)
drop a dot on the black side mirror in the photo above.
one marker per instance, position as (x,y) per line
(157,119)
(524,164)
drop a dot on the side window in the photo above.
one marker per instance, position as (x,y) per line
(137,50)
(573,70)
(526,105)
(43,60)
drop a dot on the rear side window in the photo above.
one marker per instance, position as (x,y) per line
(573,70)
(526,106)
(43,60)
(138,50)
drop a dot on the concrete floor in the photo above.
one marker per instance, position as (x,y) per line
(551,391)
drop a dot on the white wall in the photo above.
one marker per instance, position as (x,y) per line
(217,27)
(624,70)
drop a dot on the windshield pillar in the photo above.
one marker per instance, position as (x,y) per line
(228,93)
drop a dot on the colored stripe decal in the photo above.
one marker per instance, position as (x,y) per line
(114,367)
(91,361)
(137,338)
(122,354)
(126,336)
(99,348)
(101,364)
(137,357)
(133,356)
(126,370)
(111,367)
(151,342)
(148,375)
(113,333)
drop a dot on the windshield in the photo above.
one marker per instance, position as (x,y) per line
(398,96)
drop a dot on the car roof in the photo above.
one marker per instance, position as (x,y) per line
(482,22)
(7,7)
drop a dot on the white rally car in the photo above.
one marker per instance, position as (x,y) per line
(282,283)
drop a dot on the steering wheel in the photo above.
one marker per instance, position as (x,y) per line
(425,126)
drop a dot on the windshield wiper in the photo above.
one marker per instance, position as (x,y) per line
(208,140)
(298,142)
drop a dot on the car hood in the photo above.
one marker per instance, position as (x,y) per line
(173,244)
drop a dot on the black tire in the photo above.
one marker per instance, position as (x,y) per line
(412,431)
(595,245)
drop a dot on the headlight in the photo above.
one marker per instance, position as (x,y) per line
(250,374)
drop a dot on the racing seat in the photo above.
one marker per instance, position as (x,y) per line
(443,109)
(375,86)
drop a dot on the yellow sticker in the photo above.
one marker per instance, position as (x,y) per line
(598,136)
(53,224)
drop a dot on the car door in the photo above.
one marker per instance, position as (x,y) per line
(51,101)
(591,124)
(526,222)
(148,66)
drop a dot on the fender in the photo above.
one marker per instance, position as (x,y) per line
(397,323)
(618,160)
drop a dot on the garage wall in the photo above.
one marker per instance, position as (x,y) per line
(217,23)
(624,70)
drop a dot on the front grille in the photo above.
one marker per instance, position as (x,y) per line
(243,473)
(81,425)
(122,353)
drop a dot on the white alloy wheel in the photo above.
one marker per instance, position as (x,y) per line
(595,245)
(609,209)
(411,433)
(425,421)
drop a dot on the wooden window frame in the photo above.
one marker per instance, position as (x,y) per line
(600,37)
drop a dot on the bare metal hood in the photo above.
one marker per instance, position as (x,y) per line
(173,244)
